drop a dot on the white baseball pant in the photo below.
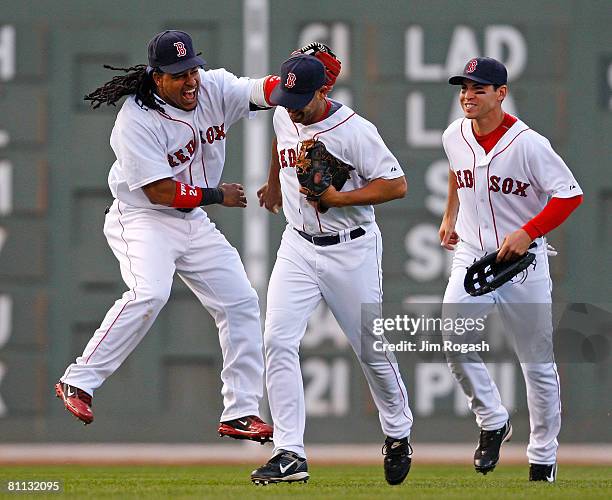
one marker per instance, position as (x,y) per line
(541,377)
(150,246)
(345,275)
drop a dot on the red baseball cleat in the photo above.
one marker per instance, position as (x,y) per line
(76,401)
(251,427)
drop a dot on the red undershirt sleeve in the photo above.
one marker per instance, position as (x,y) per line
(551,216)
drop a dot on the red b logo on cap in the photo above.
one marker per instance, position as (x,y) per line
(180,49)
(471,66)
(290,83)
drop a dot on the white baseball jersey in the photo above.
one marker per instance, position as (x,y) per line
(501,191)
(348,137)
(153,242)
(188,146)
(498,193)
(344,275)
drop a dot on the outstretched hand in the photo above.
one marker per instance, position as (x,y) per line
(270,197)
(233,195)
(448,236)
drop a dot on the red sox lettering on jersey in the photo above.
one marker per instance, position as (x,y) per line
(287,158)
(190,146)
(214,133)
(507,186)
(502,190)
(183,155)
(465,179)
(180,155)
(344,143)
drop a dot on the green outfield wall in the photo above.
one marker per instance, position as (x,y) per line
(58,277)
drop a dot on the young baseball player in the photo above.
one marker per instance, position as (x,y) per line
(169,140)
(507,189)
(331,250)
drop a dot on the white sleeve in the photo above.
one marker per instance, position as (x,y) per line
(549,171)
(236,94)
(444,141)
(276,119)
(142,157)
(447,139)
(372,159)
(281,121)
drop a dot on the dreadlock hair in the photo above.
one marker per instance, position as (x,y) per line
(137,80)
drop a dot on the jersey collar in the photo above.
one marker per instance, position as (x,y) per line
(483,159)
(337,113)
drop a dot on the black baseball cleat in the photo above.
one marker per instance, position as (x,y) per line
(543,472)
(285,467)
(397,460)
(486,455)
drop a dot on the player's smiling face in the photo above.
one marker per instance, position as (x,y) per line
(179,90)
(479,100)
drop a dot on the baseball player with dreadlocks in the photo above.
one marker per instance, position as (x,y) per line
(169,140)
(507,188)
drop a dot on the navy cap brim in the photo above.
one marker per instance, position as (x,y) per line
(181,66)
(458,80)
(290,100)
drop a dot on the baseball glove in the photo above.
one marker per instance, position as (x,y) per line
(486,275)
(317,169)
(324,54)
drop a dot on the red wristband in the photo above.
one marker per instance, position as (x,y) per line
(186,196)
(269,85)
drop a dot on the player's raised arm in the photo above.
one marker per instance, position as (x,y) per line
(260,92)
(323,53)
(262,89)
(448,237)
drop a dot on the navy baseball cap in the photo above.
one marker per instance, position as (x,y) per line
(484,70)
(301,76)
(172,52)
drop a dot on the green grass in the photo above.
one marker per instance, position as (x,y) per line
(346,482)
